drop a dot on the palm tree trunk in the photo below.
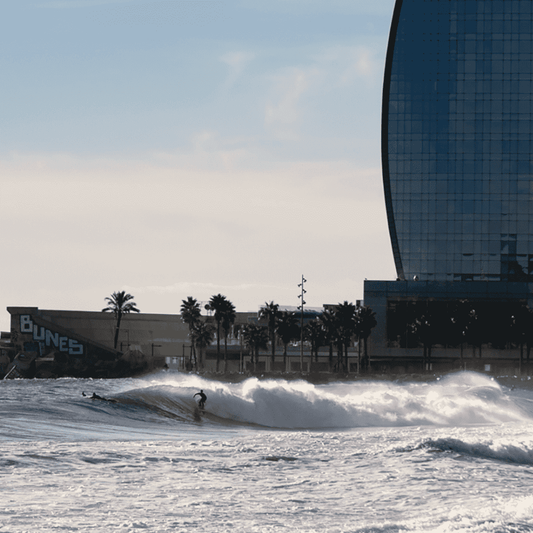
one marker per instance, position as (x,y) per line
(193,350)
(240,354)
(346,358)
(218,344)
(117,329)
(359,355)
(339,357)
(225,354)
(366,360)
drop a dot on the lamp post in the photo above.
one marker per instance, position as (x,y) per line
(301,308)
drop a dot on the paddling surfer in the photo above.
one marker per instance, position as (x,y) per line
(97,397)
(203,399)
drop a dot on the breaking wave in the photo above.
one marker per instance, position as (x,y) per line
(518,452)
(460,399)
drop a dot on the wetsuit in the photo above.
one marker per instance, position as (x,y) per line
(203,398)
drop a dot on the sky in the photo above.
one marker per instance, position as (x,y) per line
(175,148)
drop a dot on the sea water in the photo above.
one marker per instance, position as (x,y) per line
(453,454)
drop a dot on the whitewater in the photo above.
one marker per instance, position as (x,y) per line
(444,454)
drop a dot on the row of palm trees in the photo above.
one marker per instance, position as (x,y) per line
(497,324)
(425,324)
(336,327)
(201,333)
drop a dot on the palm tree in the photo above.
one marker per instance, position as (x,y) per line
(315,335)
(475,331)
(521,331)
(529,337)
(216,304)
(201,337)
(328,323)
(238,330)
(366,322)
(288,330)
(255,337)
(119,303)
(190,315)
(220,305)
(228,318)
(424,328)
(461,319)
(270,312)
(346,329)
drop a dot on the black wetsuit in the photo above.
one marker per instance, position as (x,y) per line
(203,399)
(97,397)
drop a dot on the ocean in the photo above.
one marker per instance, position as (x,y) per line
(448,454)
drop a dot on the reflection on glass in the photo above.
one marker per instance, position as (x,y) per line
(457,139)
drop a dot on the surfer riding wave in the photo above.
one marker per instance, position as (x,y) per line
(203,399)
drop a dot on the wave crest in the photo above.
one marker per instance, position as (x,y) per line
(499,450)
(461,399)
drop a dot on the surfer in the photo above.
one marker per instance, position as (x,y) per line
(203,399)
(97,397)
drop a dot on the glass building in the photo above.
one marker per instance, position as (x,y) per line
(457,140)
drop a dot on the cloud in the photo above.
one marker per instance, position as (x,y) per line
(297,92)
(346,66)
(182,200)
(282,109)
(237,62)
(169,225)
(211,182)
(361,63)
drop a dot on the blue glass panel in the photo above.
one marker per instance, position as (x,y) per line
(460,135)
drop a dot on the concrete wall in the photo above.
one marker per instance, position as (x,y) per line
(158,336)
(162,335)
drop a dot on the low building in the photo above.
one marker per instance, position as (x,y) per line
(80,343)
(497,345)
(50,343)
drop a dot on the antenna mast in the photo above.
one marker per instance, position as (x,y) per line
(301,308)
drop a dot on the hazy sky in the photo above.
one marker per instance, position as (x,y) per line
(189,147)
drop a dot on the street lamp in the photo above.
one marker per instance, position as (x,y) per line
(301,308)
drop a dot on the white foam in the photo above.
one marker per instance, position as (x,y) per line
(515,451)
(461,399)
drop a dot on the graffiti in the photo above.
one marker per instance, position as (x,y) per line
(50,338)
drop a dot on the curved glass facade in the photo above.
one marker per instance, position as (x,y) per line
(458,139)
